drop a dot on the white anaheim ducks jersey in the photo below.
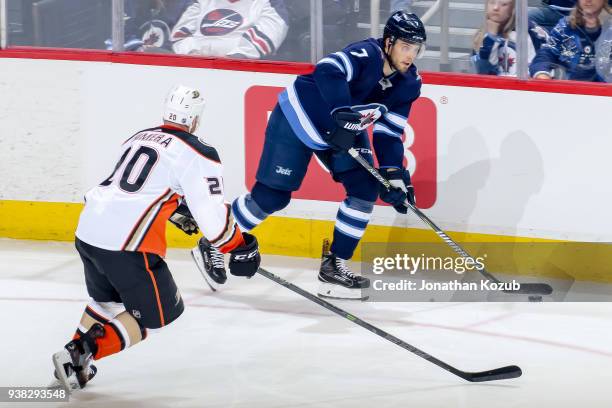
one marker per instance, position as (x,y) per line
(240,28)
(158,166)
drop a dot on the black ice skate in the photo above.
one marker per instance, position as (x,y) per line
(73,364)
(210,262)
(336,279)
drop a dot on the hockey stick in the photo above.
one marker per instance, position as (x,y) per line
(501,373)
(525,288)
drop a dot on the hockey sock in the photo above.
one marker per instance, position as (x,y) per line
(94,313)
(119,334)
(247,213)
(351,221)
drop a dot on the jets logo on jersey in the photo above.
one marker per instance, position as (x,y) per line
(156,34)
(283,170)
(369,114)
(220,22)
(506,60)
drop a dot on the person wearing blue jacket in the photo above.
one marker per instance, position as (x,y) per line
(548,14)
(571,45)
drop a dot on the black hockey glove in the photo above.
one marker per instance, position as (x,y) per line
(183,220)
(402,189)
(245,260)
(348,126)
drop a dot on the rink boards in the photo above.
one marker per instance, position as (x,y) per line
(493,160)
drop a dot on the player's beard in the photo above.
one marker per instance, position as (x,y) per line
(399,66)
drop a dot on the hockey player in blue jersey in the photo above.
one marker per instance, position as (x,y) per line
(369,82)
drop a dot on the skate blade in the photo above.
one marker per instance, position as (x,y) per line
(59,360)
(197,258)
(331,291)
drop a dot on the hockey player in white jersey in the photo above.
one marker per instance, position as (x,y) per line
(121,236)
(233,28)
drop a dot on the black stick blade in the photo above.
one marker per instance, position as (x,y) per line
(502,373)
(533,289)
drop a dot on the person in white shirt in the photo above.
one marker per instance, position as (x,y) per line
(233,28)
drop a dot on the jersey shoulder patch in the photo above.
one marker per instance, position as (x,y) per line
(195,143)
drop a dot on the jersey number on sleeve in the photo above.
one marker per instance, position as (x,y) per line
(214,185)
(146,157)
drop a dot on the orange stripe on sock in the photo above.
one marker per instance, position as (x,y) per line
(161,312)
(108,344)
(236,241)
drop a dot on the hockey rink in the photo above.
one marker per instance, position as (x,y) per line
(256,344)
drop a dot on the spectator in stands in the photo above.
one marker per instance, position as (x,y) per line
(603,52)
(238,29)
(494,50)
(551,11)
(571,45)
(150,22)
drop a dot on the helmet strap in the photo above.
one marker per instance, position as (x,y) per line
(194,124)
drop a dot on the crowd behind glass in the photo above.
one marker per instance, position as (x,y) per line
(568,39)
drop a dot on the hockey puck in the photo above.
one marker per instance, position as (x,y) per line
(535,298)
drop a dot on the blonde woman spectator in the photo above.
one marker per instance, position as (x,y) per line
(571,45)
(495,43)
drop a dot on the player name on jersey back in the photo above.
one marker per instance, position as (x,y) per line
(156,136)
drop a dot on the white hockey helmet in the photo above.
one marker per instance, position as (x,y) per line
(183,105)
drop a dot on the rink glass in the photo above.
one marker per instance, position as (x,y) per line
(316,27)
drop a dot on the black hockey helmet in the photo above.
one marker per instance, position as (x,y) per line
(405,26)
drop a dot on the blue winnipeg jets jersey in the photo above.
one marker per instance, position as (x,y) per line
(351,77)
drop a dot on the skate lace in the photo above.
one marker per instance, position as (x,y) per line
(217,258)
(343,269)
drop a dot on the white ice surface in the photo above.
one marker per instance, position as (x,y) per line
(256,344)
